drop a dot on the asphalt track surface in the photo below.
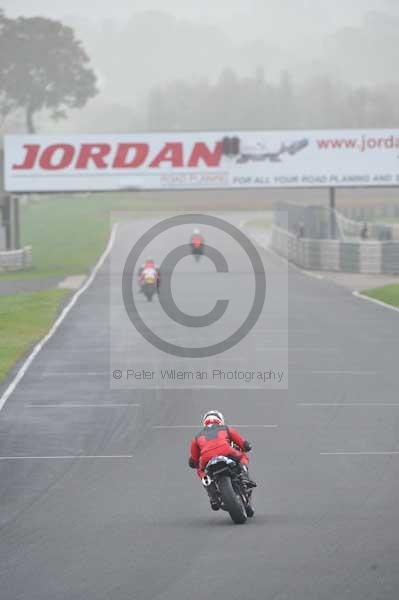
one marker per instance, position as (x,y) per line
(139,528)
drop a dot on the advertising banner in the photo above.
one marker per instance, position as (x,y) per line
(195,160)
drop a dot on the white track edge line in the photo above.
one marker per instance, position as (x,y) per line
(361,296)
(39,346)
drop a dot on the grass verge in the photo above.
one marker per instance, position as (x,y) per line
(388,294)
(25,319)
(260,223)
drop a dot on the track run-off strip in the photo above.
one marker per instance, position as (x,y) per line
(347,404)
(385,453)
(327,372)
(67,457)
(82,405)
(196,426)
(50,374)
(296,349)
(75,374)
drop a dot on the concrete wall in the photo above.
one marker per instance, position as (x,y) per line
(371,213)
(335,255)
(2,237)
(16,260)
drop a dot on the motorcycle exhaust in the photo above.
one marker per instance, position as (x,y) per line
(206,481)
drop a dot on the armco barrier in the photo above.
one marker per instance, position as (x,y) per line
(350,257)
(16,260)
(334,255)
(330,255)
(370,257)
(390,257)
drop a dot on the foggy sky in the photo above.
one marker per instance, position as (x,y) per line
(133,50)
(245,18)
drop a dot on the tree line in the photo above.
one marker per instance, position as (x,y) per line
(44,69)
(235,102)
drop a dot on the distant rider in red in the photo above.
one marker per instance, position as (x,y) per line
(197,242)
(149,265)
(215,439)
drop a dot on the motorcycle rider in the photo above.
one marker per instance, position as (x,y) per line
(149,265)
(217,439)
(197,240)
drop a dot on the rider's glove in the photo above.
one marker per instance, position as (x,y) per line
(192,463)
(247,446)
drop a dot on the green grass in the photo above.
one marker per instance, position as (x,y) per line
(381,220)
(69,232)
(386,220)
(260,223)
(24,319)
(388,294)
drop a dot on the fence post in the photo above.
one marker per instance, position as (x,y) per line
(332,213)
(17,232)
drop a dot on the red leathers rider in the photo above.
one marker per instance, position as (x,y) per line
(197,244)
(216,439)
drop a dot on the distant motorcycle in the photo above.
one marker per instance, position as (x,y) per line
(149,283)
(197,246)
(229,487)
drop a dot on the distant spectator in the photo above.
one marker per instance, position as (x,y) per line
(301,230)
(364,232)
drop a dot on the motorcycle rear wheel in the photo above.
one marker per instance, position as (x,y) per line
(232,501)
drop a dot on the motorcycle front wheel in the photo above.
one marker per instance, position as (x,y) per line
(232,501)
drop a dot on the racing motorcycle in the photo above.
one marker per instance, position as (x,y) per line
(224,477)
(149,283)
(197,248)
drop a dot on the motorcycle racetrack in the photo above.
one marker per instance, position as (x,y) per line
(97,500)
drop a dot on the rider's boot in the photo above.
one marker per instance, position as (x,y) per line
(245,477)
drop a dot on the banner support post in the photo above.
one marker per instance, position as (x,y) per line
(332,213)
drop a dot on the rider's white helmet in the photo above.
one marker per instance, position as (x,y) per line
(196,232)
(212,417)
